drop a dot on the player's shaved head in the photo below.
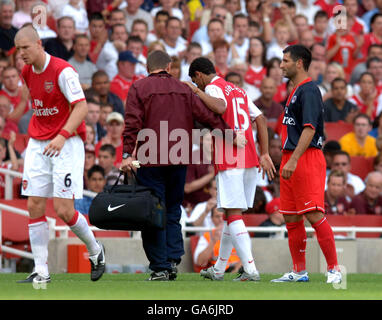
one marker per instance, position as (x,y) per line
(27,32)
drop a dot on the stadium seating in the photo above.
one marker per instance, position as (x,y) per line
(335,130)
(361,166)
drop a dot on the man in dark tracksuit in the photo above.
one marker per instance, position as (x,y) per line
(163,105)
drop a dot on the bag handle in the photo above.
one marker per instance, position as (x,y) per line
(125,179)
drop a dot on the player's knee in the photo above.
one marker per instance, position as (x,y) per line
(36,207)
(64,212)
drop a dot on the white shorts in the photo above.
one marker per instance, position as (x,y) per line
(236,188)
(60,177)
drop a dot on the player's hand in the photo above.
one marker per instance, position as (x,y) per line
(192,86)
(53,149)
(289,168)
(240,140)
(266,164)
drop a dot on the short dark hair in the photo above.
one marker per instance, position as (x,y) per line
(342,153)
(108,148)
(362,115)
(203,65)
(337,173)
(370,60)
(96,16)
(338,80)
(320,14)
(158,60)
(297,52)
(94,169)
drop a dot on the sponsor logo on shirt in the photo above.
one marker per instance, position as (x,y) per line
(289,121)
(46,112)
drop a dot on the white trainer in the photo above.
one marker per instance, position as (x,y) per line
(334,276)
(211,273)
(293,277)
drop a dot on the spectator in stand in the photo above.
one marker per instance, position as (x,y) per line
(359,142)
(375,50)
(373,66)
(75,10)
(280,41)
(159,30)
(316,70)
(90,135)
(201,213)
(320,27)
(12,164)
(330,148)
(62,45)
(96,183)
(288,12)
(215,31)
(7,31)
(354,184)
(98,35)
(126,76)
(134,11)
(194,50)
(271,109)
(275,219)
(308,9)
(301,23)
(23,14)
(114,128)
(104,6)
(240,40)
(135,44)
(333,70)
(328,6)
(207,249)
(90,160)
(306,38)
(141,30)
(318,52)
(170,7)
(92,118)
(335,200)
(221,52)
(175,67)
(17,95)
(338,107)
(199,174)
(252,8)
(274,71)
(375,36)
(108,57)
(173,42)
(5,111)
(106,159)
(6,136)
(79,61)
(117,16)
(217,12)
(371,8)
(368,100)
(101,86)
(370,200)
(344,49)
(106,109)
(256,62)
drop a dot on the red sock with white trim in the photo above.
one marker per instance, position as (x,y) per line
(297,244)
(39,239)
(80,228)
(241,242)
(326,241)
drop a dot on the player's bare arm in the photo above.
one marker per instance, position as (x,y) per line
(214,104)
(303,144)
(78,114)
(266,163)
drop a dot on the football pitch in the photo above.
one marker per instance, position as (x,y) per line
(189,286)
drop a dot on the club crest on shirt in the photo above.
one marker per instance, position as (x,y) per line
(294,99)
(25,184)
(48,86)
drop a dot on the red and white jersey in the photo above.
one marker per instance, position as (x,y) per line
(238,115)
(255,76)
(54,92)
(120,86)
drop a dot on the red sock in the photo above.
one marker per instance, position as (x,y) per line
(325,239)
(297,244)
(74,219)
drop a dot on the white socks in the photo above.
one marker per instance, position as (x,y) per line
(224,250)
(81,229)
(242,243)
(39,239)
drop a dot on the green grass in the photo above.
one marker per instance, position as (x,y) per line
(188,286)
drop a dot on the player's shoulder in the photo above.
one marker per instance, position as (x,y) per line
(310,87)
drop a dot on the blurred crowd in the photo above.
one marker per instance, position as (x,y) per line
(107,42)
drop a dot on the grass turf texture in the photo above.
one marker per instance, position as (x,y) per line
(188,286)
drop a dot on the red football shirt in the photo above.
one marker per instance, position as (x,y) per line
(54,92)
(255,77)
(344,55)
(120,86)
(237,115)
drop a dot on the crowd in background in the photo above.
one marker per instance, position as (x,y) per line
(108,41)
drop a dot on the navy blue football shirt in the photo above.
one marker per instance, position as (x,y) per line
(304,108)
